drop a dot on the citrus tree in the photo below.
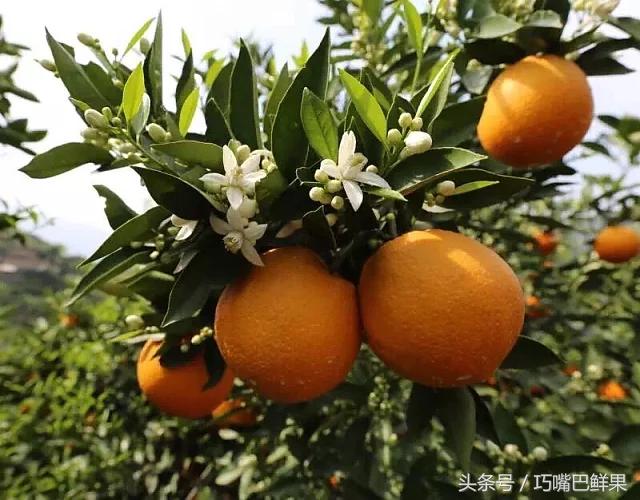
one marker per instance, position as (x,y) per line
(357,241)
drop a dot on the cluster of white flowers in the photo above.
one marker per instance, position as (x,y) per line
(596,8)
(345,175)
(443,190)
(411,138)
(519,10)
(234,193)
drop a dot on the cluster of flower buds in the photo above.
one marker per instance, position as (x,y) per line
(200,337)
(443,190)
(596,8)
(365,42)
(446,13)
(519,10)
(157,133)
(410,137)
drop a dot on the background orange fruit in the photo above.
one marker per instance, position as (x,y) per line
(546,242)
(289,328)
(234,413)
(611,390)
(535,308)
(536,111)
(179,391)
(440,308)
(617,244)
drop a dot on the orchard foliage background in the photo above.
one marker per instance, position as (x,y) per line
(565,400)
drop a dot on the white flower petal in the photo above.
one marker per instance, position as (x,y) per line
(251,254)
(354,193)
(347,148)
(331,169)
(289,228)
(253,177)
(218,225)
(235,195)
(178,221)
(255,231)
(236,221)
(251,164)
(186,231)
(372,179)
(229,160)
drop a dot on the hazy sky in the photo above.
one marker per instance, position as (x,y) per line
(69,199)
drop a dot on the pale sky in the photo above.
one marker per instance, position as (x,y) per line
(69,199)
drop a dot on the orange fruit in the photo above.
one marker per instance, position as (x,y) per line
(179,391)
(546,242)
(291,329)
(234,413)
(440,308)
(535,308)
(537,110)
(617,244)
(611,390)
(68,320)
(570,369)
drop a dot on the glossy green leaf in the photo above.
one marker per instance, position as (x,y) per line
(275,98)
(457,412)
(116,210)
(218,129)
(138,36)
(186,43)
(269,189)
(188,111)
(140,119)
(243,117)
(133,92)
(388,194)
(625,444)
(63,158)
(414,26)
(373,9)
(438,80)
(316,225)
(186,83)
(289,142)
(221,88)
(319,126)
(153,69)
(367,106)
(194,153)
(545,19)
(494,51)
(420,408)
(213,72)
(508,429)
(528,354)
(457,123)
(496,26)
(630,25)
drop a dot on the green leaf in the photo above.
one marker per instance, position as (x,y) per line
(630,25)
(153,70)
(496,26)
(186,83)
(420,408)
(220,90)
(366,105)
(244,118)
(316,225)
(213,72)
(74,77)
(206,275)
(319,126)
(194,153)
(137,36)
(275,98)
(188,111)
(269,189)
(457,123)
(528,354)
(603,67)
(218,130)
(457,412)
(140,228)
(133,92)
(63,158)
(388,194)
(116,210)
(476,79)
(373,9)
(437,104)
(507,428)
(473,186)
(108,268)
(174,194)
(494,51)
(414,26)
(545,19)
(625,444)
(186,44)
(443,74)
(140,119)
(420,170)
(289,142)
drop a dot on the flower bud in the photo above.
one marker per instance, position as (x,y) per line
(234,144)
(511,449)
(539,453)
(331,219)
(372,169)
(316,193)
(107,113)
(48,65)
(243,152)
(334,186)
(87,40)
(154,255)
(405,120)
(144,45)
(417,142)
(446,188)
(90,134)
(127,148)
(134,322)
(337,202)
(116,122)
(394,136)
(440,199)
(156,132)
(321,176)
(95,119)
(117,83)
(248,208)
(184,348)
(416,123)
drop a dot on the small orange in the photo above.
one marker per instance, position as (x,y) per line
(179,391)
(290,328)
(535,308)
(537,110)
(68,320)
(440,308)
(636,475)
(612,390)
(546,242)
(617,244)
(570,369)
(234,413)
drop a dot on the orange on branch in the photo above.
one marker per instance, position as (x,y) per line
(234,413)
(291,329)
(440,308)
(537,110)
(179,391)
(617,244)
(611,390)
(546,242)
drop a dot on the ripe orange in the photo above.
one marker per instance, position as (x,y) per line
(546,242)
(440,308)
(290,328)
(611,390)
(537,110)
(179,391)
(234,413)
(617,244)
(535,308)
(68,320)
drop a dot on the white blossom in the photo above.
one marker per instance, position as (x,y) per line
(240,235)
(416,142)
(349,168)
(187,227)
